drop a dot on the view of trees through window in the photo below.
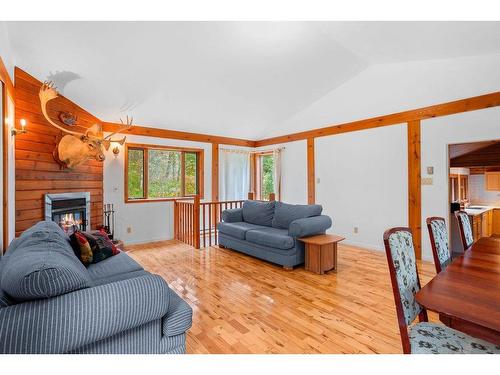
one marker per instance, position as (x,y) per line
(170,173)
(267,176)
(164,174)
(135,173)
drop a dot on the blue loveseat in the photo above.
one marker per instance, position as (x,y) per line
(51,303)
(269,230)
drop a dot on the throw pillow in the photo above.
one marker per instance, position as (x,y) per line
(81,247)
(259,213)
(101,233)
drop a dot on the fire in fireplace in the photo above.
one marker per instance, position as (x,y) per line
(70,210)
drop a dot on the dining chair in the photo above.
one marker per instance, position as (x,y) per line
(465,229)
(422,337)
(438,233)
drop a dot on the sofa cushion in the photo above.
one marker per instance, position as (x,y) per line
(119,277)
(271,237)
(285,213)
(43,265)
(115,265)
(259,213)
(237,230)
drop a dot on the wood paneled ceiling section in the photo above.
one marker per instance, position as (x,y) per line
(37,173)
(480,154)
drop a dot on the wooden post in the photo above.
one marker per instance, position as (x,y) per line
(176,220)
(251,195)
(414,186)
(196,221)
(311,186)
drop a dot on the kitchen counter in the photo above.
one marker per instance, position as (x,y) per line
(479,211)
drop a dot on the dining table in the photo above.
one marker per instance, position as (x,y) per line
(466,294)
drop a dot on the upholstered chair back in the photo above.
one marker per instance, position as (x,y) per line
(438,234)
(403,269)
(465,229)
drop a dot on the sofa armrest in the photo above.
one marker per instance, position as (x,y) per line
(309,226)
(67,322)
(232,215)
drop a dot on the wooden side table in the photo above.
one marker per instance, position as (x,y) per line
(321,252)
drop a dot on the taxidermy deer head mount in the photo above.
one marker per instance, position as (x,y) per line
(75,148)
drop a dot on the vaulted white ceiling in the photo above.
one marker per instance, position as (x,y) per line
(240,79)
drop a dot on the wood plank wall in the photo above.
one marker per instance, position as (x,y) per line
(37,173)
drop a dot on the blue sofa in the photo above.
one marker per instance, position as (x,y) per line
(269,230)
(51,303)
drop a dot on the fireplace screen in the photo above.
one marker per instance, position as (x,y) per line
(70,210)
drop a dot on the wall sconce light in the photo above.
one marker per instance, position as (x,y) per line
(23,130)
(116,151)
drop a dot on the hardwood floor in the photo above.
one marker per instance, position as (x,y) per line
(245,305)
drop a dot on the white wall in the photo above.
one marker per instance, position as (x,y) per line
(149,221)
(364,182)
(437,134)
(388,88)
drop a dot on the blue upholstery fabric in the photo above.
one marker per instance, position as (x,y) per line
(180,316)
(287,258)
(70,321)
(269,242)
(464,219)
(440,236)
(432,338)
(309,226)
(403,258)
(285,213)
(237,230)
(260,213)
(42,265)
(146,339)
(119,277)
(271,237)
(115,265)
(232,215)
(5,300)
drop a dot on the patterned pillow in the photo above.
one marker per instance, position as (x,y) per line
(104,238)
(81,247)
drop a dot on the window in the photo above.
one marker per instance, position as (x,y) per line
(162,173)
(263,175)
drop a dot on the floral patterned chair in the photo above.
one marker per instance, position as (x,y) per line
(422,337)
(438,234)
(465,229)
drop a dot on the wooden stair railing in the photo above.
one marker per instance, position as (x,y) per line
(195,222)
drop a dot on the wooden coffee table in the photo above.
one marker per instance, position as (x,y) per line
(321,252)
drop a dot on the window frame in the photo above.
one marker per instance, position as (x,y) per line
(200,157)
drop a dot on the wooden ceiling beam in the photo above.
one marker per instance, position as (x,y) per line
(444,109)
(175,134)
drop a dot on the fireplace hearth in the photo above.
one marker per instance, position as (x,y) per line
(70,210)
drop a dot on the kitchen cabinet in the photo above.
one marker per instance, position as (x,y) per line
(496,222)
(486,224)
(492,181)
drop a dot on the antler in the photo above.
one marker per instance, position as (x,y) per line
(127,125)
(46,94)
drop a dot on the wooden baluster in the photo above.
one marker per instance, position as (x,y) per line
(191,234)
(196,221)
(272,197)
(175,220)
(216,215)
(203,226)
(210,224)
